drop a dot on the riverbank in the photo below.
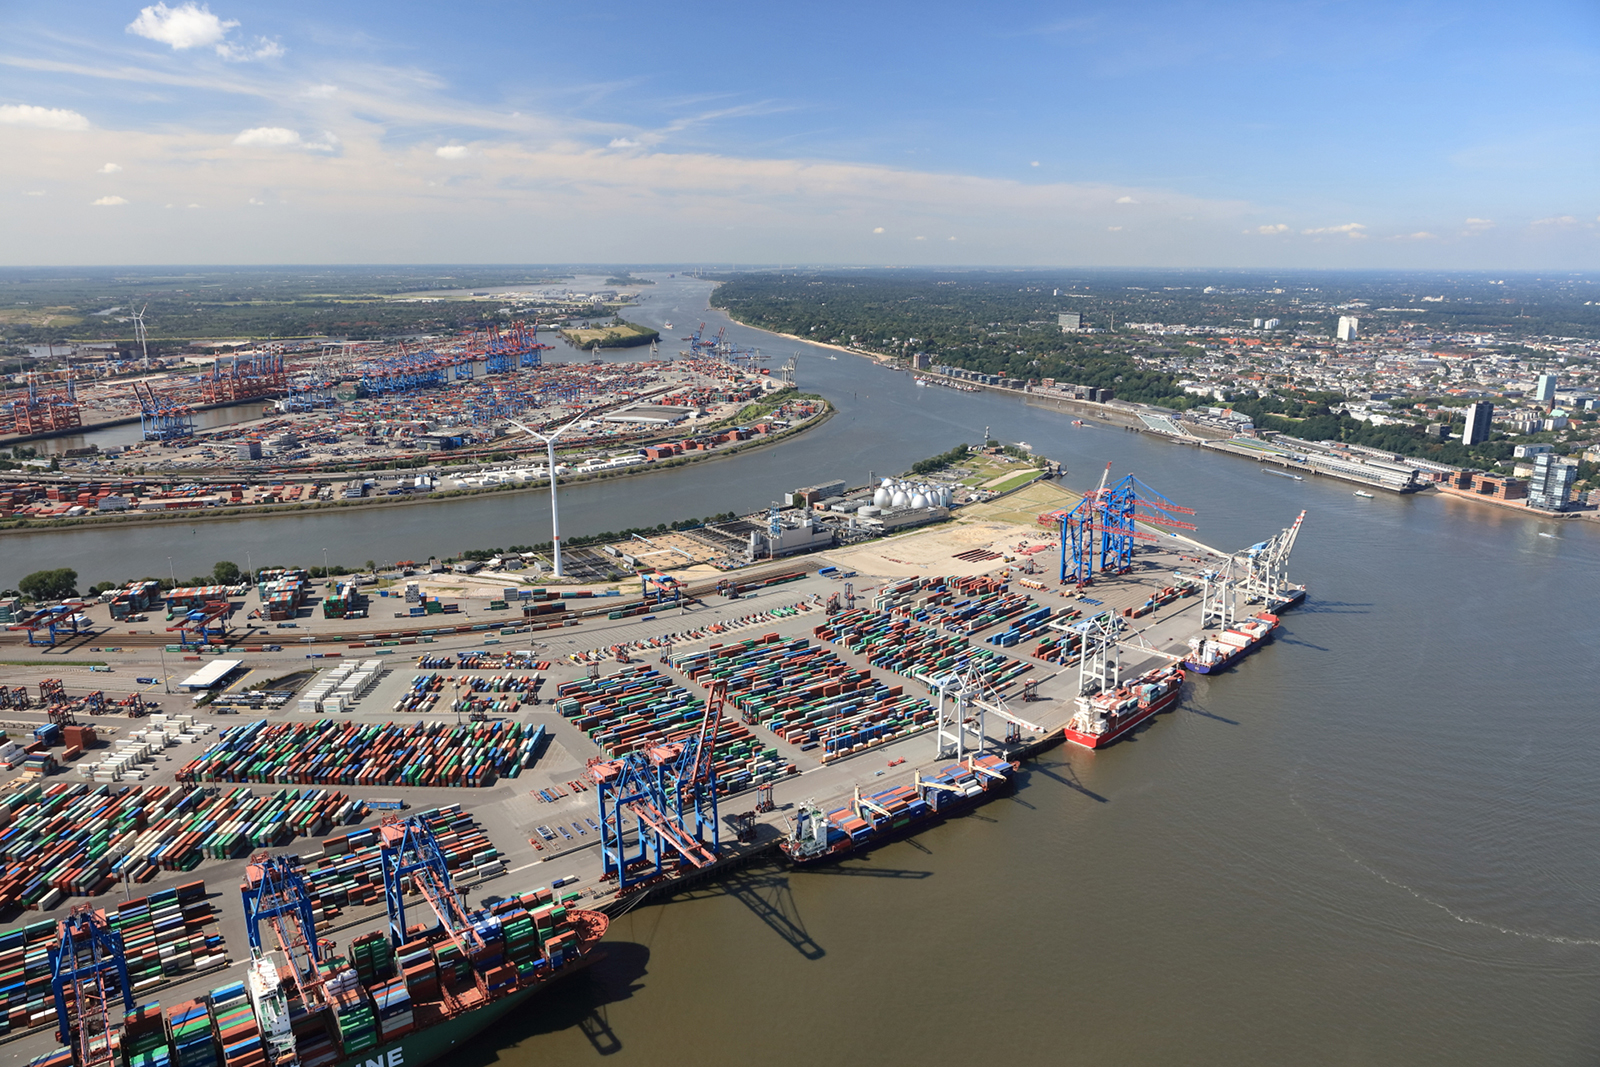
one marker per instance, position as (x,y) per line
(191,517)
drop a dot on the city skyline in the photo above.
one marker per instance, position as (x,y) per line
(1344,136)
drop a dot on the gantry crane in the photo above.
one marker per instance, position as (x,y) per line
(88,959)
(670,790)
(275,893)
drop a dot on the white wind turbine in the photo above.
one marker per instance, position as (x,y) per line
(555,514)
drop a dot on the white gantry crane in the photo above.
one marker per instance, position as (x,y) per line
(1266,566)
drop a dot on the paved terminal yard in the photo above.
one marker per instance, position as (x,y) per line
(510,811)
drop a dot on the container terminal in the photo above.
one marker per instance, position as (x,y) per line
(366,847)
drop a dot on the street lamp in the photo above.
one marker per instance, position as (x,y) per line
(172,572)
(555,514)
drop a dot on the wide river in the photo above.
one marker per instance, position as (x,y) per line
(1376,842)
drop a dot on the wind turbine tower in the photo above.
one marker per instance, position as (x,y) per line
(141,336)
(555,513)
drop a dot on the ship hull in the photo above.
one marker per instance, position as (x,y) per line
(1102,740)
(1225,662)
(422,1047)
(912,825)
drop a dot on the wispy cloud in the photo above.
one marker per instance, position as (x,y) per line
(1556,220)
(108,201)
(109,168)
(45,118)
(1270,228)
(1349,229)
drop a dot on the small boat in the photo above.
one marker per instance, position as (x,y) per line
(1549,535)
(832,357)
(666,325)
(1282,474)
(1077,422)
(1362,492)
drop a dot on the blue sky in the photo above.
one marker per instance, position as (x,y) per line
(1338,134)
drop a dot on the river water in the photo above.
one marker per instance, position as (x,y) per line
(1373,843)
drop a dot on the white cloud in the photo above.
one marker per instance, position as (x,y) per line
(34,192)
(1420,235)
(45,118)
(193,25)
(1556,220)
(1270,228)
(321,92)
(451,151)
(1481,224)
(279,137)
(1126,200)
(194,205)
(1113,229)
(877,229)
(257,203)
(919,238)
(622,142)
(185,26)
(109,168)
(109,201)
(1349,229)
(1035,163)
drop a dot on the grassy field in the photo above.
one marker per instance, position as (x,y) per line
(1015,480)
(30,316)
(623,336)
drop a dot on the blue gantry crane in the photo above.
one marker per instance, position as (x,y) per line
(276,894)
(88,959)
(665,798)
(1098,535)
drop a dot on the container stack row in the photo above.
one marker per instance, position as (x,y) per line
(329,752)
(638,707)
(1029,624)
(349,873)
(896,643)
(165,935)
(808,696)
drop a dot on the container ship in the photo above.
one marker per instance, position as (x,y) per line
(1208,655)
(1105,717)
(394,1001)
(822,837)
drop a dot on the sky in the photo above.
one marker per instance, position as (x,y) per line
(1450,134)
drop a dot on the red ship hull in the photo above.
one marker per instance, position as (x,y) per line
(1127,723)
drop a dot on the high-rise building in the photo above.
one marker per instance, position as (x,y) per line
(1349,327)
(1545,391)
(1069,320)
(1479,417)
(1550,487)
(1272,324)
